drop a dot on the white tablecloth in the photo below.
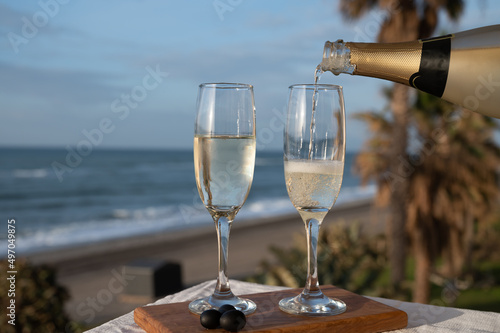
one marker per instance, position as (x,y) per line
(421,318)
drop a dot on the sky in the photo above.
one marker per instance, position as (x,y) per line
(125,73)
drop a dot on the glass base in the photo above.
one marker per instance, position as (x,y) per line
(244,305)
(319,305)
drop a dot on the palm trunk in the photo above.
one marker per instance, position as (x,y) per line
(396,227)
(421,289)
(468,242)
(456,253)
(447,268)
(460,248)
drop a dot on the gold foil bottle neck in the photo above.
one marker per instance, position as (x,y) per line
(389,61)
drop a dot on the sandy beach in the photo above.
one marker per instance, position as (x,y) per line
(92,274)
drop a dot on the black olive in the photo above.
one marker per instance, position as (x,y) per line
(210,318)
(226,307)
(233,320)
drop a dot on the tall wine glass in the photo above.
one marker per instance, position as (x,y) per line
(224,159)
(314,149)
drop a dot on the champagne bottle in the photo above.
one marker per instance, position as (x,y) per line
(462,68)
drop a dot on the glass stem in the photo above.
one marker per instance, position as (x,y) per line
(312,285)
(223,225)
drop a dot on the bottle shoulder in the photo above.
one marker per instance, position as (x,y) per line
(484,37)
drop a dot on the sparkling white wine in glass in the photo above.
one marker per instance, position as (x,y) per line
(314,151)
(224,159)
(313,185)
(224,168)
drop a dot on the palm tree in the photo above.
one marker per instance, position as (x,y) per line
(452,181)
(453,185)
(406,20)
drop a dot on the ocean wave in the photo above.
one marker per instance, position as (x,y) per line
(30,173)
(148,213)
(122,223)
(88,232)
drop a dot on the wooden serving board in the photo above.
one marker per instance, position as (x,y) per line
(362,315)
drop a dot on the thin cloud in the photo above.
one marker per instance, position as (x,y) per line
(65,88)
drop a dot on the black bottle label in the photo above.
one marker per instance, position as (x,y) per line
(434,64)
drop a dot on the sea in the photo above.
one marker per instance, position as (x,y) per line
(59,198)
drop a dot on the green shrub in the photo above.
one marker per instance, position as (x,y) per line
(346,258)
(39,300)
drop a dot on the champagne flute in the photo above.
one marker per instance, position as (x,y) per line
(314,149)
(224,159)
